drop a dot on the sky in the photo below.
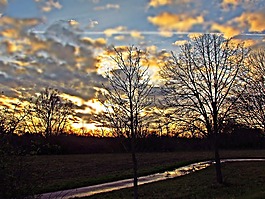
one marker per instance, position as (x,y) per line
(63,44)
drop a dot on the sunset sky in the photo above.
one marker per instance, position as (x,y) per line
(62,43)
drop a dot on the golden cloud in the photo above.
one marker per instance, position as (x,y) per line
(75,99)
(109,32)
(179,42)
(254,22)
(179,22)
(99,42)
(10,102)
(49,5)
(12,46)
(166,33)
(151,49)
(194,35)
(10,33)
(73,22)
(154,60)
(14,32)
(119,37)
(157,3)
(228,30)
(136,34)
(36,44)
(19,23)
(87,40)
(226,3)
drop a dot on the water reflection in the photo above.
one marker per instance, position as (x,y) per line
(111,186)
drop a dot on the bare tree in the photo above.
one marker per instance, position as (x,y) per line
(251,105)
(11,118)
(126,97)
(50,113)
(201,83)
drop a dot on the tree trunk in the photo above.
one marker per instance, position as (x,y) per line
(218,170)
(135,178)
(219,176)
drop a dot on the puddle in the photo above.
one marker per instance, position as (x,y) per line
(111,186)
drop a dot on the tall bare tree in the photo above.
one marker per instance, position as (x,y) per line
(201,83)
(50,113)
(251,106)
(127,96)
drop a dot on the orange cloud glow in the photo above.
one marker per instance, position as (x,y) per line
(228,30)
(99,42)
(254,22)
(19,23)
(226,3)
(178,22)
(10,33)
(11,102)
(14,32)
(157,3)
(73,22)
(35,45)
(13,46)
(76,100)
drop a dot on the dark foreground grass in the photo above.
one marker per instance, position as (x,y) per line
(244,180)
(58,172)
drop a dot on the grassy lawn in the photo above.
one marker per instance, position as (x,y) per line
(58,172)
(244,180)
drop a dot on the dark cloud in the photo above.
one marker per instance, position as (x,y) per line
(58,58)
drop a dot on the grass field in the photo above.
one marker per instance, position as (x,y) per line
(58,172)
(245,180)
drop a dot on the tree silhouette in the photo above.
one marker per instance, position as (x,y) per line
(252,103)
(50,113)
(11,118)
(201,83)
(126,97)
